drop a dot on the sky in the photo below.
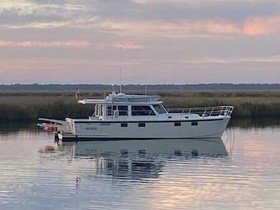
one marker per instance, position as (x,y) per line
(139,41)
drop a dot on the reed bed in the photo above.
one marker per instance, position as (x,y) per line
(19,106)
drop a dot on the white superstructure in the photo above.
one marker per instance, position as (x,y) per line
(140,117)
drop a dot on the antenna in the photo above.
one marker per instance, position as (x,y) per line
(120,80)
(120,71)
(146,89)
(121,88)
(146,83)
(113,86)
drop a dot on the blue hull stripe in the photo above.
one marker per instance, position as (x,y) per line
(76,139)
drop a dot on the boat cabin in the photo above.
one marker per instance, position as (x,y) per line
(116,105)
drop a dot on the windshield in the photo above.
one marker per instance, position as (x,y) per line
(159,109)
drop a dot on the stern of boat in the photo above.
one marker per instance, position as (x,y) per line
(56,126)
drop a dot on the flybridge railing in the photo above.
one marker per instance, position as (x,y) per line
(205,111)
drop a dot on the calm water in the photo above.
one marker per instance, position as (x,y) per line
(239,171)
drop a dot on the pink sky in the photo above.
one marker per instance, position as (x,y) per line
(140,41)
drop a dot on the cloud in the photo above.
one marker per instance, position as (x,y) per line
(173,29)
(26,12)
(128,46)
(195,1)
(178,29)
(258,26)
(230,10)
(45,44)
(262,26)
(70,44)
(71,23)
(189,38)
(158,18)
(210,60)
(44,8)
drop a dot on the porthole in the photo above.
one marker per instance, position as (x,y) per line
(177,123)
(194,123)
(124,125)
(141,125)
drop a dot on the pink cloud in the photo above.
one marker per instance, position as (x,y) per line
(128,46)
(221,27)
(45,44)
(262,26)
(180,29)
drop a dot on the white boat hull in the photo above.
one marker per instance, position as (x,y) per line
(92,130)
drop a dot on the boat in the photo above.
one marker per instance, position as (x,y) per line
(121,116)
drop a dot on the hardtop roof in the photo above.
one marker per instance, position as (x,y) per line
(122,98)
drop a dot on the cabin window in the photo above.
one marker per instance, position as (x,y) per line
(123,110)
(141,111)
(177,124)
(109,110)
(141,125)
(194,123)
(123,125)
(159,109)
(117,110)
(101,110)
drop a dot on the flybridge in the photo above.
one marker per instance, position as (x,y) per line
(122,98)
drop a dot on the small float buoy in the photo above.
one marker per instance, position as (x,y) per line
(50,127)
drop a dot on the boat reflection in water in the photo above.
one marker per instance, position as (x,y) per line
(141,159)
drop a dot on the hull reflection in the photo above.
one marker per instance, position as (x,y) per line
(141,159)
(176,147)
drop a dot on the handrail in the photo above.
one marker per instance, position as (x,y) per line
(205,111)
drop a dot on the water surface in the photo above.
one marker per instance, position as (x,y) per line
(239,171)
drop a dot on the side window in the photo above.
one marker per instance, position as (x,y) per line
(123,110)
(141,110)
(115,111)
(109,111)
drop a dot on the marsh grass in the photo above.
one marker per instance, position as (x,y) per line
(58,110)
(247,104)
(19,106)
